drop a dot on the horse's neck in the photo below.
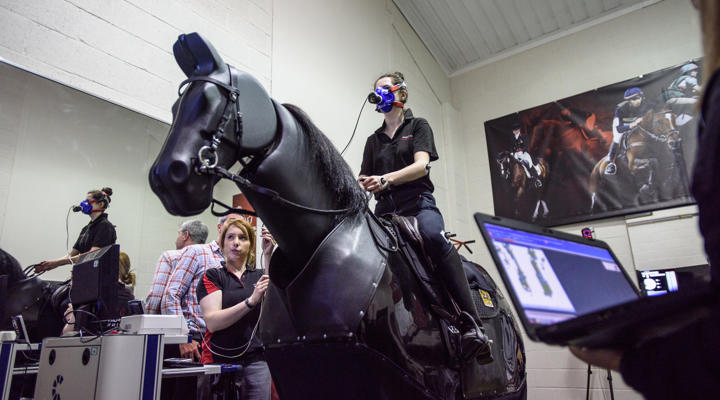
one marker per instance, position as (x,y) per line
(290,170)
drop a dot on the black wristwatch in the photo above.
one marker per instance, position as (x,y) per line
(247,303)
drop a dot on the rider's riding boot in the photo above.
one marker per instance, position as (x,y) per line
(535,177)
(474,343)
(611,168)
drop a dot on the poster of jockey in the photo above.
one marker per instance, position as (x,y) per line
(621,149)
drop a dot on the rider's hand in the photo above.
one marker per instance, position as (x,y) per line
(260,288)
(374,183)
(45,266)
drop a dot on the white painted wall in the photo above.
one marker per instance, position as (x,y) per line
(655,37)
(122,50)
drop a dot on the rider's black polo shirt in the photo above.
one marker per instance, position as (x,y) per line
(98,233)
(383,155)
(228,342)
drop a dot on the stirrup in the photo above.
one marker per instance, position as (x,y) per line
(474,345)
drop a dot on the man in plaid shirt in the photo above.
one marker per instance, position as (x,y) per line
(190,232)
(180,297)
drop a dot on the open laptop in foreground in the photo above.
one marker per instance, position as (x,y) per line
(568,290)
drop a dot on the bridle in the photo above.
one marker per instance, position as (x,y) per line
(663,137)
(207,157)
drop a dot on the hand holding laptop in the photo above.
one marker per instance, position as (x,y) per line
(604,358)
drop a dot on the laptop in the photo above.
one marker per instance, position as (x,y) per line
(569,290)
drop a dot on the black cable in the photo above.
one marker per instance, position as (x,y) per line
(356,125)
(67,230)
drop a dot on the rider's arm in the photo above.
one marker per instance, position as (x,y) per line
(620,127)
(417,169)
(413,171)
(52,264)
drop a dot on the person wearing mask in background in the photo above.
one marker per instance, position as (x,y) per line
(685,364)
(230,299)
(190,232)
(395,167)
(98,233)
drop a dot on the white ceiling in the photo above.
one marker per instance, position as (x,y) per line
(467,34)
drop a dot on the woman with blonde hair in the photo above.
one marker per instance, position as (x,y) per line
(686,364)
(230,299)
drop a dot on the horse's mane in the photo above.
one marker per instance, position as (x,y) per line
(335,171)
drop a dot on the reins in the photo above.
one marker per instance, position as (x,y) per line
(207,158)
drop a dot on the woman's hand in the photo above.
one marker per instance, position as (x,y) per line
(374,183)
(604,358)
(46,266)
(268,242)
(260,288)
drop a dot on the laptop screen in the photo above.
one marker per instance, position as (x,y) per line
(555,279)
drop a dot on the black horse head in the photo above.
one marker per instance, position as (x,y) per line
(224,115)
(219,102)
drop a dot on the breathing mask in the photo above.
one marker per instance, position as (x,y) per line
(86,207)
(384,98)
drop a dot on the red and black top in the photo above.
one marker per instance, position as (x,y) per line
(230,342)
(383,155)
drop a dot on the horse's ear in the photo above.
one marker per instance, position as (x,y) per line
(196,55)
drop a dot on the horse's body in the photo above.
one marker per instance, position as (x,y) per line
(345,317)
(652,168)
(33,299)
(522,189)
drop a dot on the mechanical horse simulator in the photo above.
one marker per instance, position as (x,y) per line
(353,310)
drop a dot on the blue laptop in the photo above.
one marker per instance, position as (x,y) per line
(568,290)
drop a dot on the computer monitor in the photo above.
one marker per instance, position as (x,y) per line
(658,282)
(94,285)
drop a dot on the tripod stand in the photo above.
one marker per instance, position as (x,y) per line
(587,388)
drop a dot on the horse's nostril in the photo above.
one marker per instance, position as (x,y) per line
(179,171)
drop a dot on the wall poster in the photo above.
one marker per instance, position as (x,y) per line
(621,149)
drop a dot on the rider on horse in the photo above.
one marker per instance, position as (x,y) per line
(396,168)
(628,115)
(685,89)
(520,152)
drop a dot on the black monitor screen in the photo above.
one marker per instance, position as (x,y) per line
(94,281)
(655,283)
(663,281)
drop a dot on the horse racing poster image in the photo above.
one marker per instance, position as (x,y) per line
(621,149)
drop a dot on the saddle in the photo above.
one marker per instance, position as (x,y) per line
(411,245)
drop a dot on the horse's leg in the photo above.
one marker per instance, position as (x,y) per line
(537,209)
(594,182)
(546,210)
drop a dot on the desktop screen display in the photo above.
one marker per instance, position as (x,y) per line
(555,279)
(655,283)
